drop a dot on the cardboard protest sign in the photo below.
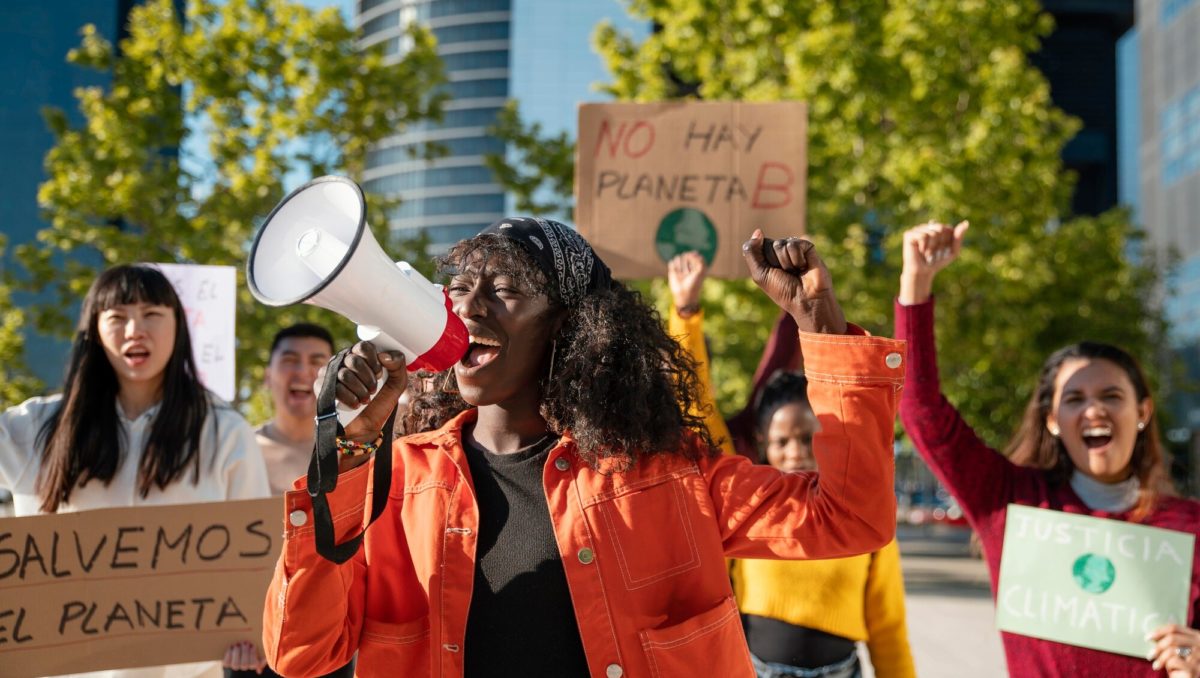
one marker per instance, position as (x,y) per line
(209,296)
(1091,582)
(655,180)
(127,587)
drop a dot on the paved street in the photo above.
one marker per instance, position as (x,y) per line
(951,623)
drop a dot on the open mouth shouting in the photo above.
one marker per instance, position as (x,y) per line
(136,355)
(300,393)
(481,350)
(1097,438)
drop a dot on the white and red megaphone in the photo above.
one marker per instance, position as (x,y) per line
(315,247)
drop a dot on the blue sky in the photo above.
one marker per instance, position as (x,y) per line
(347,6)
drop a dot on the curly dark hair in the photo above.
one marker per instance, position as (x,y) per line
(784,387)
(622,386)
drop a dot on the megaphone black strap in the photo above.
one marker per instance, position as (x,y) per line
(323,470)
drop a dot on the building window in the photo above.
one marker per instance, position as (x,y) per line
(429,178)
(478,89)
(452,7)
(471,33)
(1171,9)
(464,61)
(382,22)
(408,152)
(473,146)
(458,204)
(368,5)
(1180,122)
(465,117)
(452,234)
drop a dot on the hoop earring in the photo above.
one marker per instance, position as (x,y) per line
(553,355)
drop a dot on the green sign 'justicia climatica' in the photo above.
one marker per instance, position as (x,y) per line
(1091,582)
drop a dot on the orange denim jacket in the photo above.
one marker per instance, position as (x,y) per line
(644,550)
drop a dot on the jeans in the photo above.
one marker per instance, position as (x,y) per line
(847,668)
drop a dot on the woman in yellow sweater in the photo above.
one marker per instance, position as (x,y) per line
(802,618)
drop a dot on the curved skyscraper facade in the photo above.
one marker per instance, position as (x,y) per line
(537,52)
(453,196)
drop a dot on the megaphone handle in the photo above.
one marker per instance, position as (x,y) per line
(323,471)
(346,415)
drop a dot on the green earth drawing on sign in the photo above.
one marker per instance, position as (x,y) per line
(1093,573)
(685,230)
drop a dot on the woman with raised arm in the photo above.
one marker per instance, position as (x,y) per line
(572,517)
(1087,444)
(133,425)
(801,618)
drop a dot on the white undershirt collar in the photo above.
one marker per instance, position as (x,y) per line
(1110,497)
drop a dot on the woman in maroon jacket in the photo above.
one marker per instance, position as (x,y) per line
(1087,445)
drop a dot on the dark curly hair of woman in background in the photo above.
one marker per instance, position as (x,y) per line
(623,387)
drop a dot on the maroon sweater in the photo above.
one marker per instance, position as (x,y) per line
(984,482)
(782,352)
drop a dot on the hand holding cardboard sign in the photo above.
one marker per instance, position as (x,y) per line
(794,277)
(244,656)
(1175,650)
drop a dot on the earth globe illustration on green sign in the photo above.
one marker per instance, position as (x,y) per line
(685,230)
(1093,573)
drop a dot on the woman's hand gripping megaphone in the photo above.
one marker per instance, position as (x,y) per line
(356,382)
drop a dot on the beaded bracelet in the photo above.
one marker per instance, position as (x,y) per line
(353,448)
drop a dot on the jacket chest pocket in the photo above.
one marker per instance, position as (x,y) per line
(651,532)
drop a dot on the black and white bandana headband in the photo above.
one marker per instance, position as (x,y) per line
(560,252)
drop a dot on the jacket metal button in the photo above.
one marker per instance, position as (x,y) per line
(586,556)
(893,360)
(297,518)
(562,464)
(614,671)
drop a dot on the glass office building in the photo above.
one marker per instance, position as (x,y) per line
(1160,180)
(535,51)
(34,40)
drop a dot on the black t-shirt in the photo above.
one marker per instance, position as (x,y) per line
(521,621)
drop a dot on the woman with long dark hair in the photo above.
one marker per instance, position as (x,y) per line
(133,425)
(1087,444)
(571,517)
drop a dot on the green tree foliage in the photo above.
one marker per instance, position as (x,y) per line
(16,382)
(539,169)
(917,111)
(191,145)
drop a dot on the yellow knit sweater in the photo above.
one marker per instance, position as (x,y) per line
(689,332)
(860,598)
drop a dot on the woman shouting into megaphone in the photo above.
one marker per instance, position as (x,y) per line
(563,511)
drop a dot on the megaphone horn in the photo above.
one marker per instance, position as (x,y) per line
(315,247)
